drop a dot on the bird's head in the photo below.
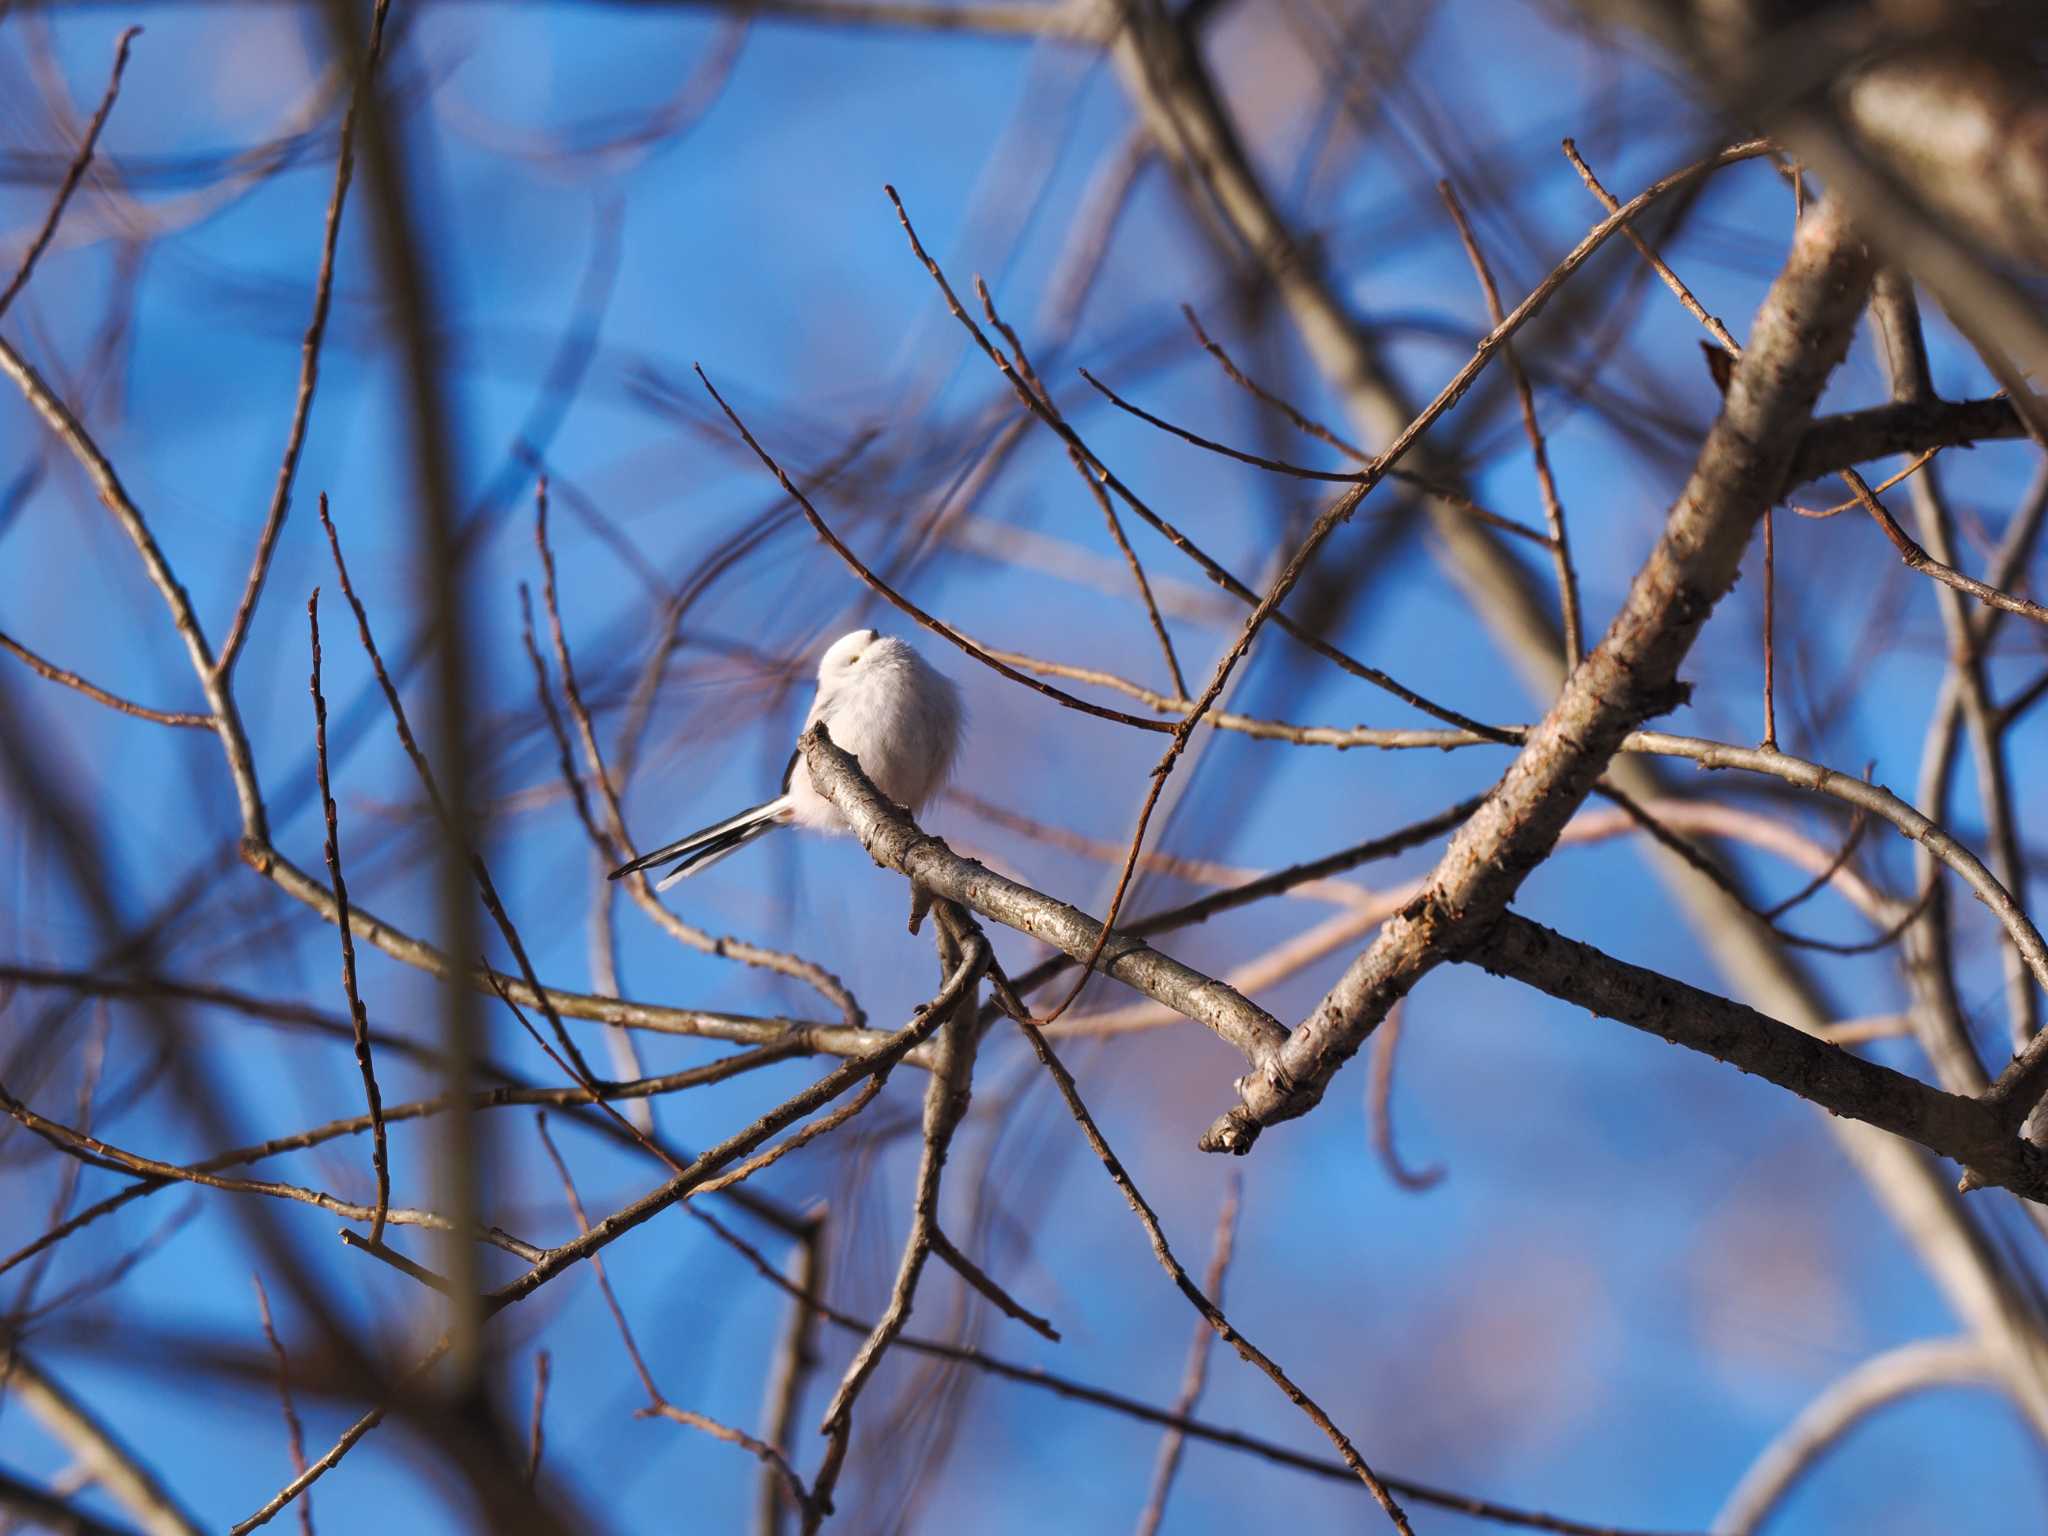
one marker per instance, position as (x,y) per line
(842,657)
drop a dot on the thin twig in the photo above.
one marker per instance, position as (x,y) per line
(1211,568)
(1546,482)
(985,1283)
(1916,558)
(1210,1312)
(597,1265)
(73,174)
(380,1156)
(614,845)
(1940,1023)
(1657,264)
(340,1448)
(295,1432)
(1449,495)
(1196,1371)
(947,1091)
(74,1170)
(1206,871)
(1267,730)
(1244,381)
(809,1133)
(69,679)
(876,584)
(411,1268)
(1920,461)
(1859,823)
(707,1164)
(1304,472)
(408,285)
(657,1404)
(1917,1367)
(480,1099)
(458,836)
(1067,1388)
(1379,1107)
(2010,712)
(309,354)
(1095,489)
(1770,741)
(104,1154)
(533,1433)
(579,796)
(1895,311)
(795,1358)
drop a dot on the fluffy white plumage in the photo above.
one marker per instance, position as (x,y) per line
(882,702)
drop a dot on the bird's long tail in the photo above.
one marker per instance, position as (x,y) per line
(705,847)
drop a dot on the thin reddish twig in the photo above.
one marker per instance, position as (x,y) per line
(936,626)
(1180,541)
(380,1155)
(656,1403)
(457,835)
(294,1430)
(98,695)
(1196,1372)
(1546,482)
(309,356)
(612,842)
(1197,1298)
(1095,488)
(72,175)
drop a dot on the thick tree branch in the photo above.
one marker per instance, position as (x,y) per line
(1840,1082)
(1973,1275)
(1836,443)
(1632,676)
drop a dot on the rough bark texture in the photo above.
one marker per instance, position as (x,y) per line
(895,842)
(1840,1082)
(1631,677)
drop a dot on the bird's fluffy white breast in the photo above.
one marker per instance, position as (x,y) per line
(900,716)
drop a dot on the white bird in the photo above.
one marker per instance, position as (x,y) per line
(884,703)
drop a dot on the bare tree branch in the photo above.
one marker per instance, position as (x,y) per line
(1965,1129)
(894,841)
(114,1467)
(1631,675)
(1822,1423)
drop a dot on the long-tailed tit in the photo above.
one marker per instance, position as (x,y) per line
(882,702)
